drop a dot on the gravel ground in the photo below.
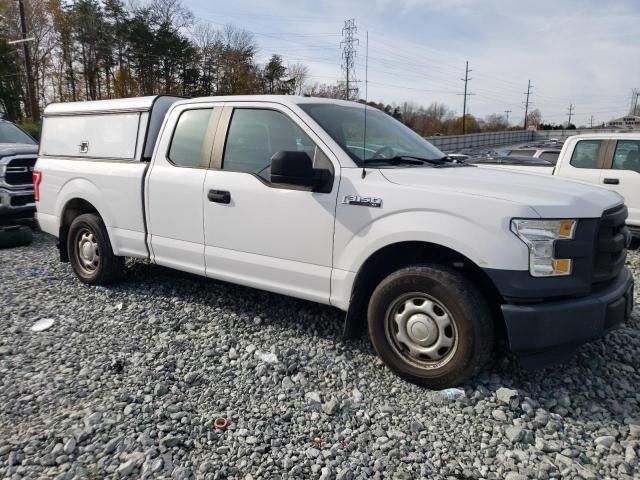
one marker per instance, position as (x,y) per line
(129,379)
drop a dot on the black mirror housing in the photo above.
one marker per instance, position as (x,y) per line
(296,168)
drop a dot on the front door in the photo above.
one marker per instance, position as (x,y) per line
(622,174)
(268,236)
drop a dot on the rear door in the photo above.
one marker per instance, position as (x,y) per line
(586,161)
(622,174)
(175,187)
(260,234)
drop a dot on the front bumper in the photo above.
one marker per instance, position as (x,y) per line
(547,332)
(16,204)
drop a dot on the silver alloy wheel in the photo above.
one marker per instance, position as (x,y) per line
(421,330)
(87,251)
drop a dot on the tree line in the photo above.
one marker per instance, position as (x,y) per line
(92,50)
(102,49)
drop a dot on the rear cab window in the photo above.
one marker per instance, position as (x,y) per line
(627,156)
(586,154)
(188,145)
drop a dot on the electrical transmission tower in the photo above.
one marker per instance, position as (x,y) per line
(570,110)
(465,95)
(508,112)
(348,44)
(527,103)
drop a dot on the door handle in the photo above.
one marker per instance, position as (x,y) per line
(611,181)
(219,196)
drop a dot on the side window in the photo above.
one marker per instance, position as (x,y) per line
(550,156)
(585,154)
(524,153)
(627,155)
(256,134)
(188,139)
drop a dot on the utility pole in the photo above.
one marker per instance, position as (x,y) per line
(526,105)
(591,121)
(508,112)
(570,113)
(348,43)
(465,95)
(32,105)
(634,102)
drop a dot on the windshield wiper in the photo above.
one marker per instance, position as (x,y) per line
(406,159)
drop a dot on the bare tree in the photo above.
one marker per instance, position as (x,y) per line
(298,73)
(171,12)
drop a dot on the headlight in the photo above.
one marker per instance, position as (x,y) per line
(3,169)
(540,237)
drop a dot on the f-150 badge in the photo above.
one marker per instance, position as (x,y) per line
(362,201)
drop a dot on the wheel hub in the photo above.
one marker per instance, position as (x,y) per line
(86,250)
(88,253)
(421,329)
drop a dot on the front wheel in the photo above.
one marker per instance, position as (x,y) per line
(90,251)
(430,325)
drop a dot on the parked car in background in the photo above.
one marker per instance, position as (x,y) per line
(609,160)
(18,154)
(548,154)
(514,162)
(432,255)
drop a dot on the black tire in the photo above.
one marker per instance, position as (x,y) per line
(15,236)
(104,267)
(449,296)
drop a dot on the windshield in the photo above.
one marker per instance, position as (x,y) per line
(386,137)
(9,133)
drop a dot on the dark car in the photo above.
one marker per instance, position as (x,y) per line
(18,153)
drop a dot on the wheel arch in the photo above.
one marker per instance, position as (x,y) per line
(72,209)
(395,256)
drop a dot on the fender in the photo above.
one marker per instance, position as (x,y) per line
(474,240)
(85,190)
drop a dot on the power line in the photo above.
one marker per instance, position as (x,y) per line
(348,43)
(465,95)
(526,105)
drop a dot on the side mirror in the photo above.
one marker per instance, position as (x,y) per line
(296,168)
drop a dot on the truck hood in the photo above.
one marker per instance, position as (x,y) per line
(10,149)
(549,196)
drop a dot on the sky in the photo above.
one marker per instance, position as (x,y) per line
(584,53)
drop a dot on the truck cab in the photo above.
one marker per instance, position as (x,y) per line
(338,203)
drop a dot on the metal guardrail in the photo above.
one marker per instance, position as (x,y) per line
(454,143)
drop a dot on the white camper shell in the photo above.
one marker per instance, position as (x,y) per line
(124,129)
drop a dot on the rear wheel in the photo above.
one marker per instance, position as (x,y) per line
(90,251)
(430,325)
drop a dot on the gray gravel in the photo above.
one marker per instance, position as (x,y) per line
(129,380)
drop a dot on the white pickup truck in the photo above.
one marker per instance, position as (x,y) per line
(293,195)
(610,160)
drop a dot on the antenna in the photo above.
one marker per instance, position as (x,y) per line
(366,101)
